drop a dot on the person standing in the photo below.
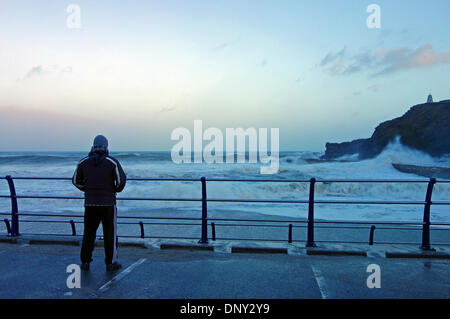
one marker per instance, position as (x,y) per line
(100,177)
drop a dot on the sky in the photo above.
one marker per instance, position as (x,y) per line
(136,70)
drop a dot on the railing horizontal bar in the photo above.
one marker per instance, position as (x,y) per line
(239,225)
(251,220)
(163,179)
(160,217)
(438,202)
(50,215)
(364,227)
(120,223)
(157,237)
(164,224)
(256,239)
(130,217)
(242,225)
(247,180)
(367,222)
(122,198)
(315,201)
(120,236)
(279,201)
(41,178)
(321,180)
(53,234)
(256,225)
(162,199)
(47,221)
(372,202)
(393,181)
(128,179)
(378,228)
(326,227)
(224,200)
(258,220)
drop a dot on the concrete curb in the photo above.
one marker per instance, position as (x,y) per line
(258,250)
(186,247)
(328,252)
(131,244)
(53,242)
(226,247)
(8,239)
(417,255)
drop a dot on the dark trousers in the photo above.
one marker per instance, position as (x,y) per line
(93,215)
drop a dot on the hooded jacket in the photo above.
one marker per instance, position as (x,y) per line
(100,177)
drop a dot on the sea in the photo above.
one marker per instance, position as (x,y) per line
(293,165)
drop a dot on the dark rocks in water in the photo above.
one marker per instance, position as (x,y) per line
(425,127)
(335,150)
(426,171)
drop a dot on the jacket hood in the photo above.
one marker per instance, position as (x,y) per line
(97,156)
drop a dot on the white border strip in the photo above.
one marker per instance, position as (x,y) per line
(320,282)
(106,286)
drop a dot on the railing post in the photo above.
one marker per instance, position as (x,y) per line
(213,231)
(14,207)
(204,239)
(372,230)
(74,230)
(141,225)
(290,234)
(310,241)
(426,216)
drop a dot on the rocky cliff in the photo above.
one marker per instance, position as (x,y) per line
(425,127)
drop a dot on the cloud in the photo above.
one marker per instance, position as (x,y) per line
(373,88)
(166,109)
(35,71)
(225,45)
(403,58)
(43,70)
(331,57)
(383,61)
(221,46)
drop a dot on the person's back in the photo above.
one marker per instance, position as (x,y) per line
(100,177)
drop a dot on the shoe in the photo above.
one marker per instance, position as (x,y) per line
(84,266)
(113,267)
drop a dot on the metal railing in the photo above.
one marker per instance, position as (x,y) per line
(13,224)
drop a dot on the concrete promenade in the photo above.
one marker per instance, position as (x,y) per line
(35,267)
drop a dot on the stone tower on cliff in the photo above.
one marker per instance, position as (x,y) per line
(430,99)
